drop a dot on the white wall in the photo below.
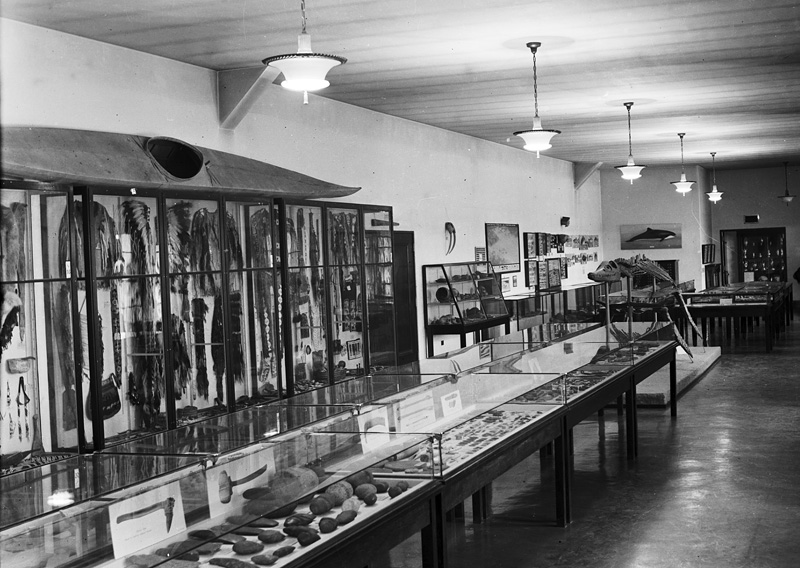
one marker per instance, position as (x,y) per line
(652,199)
(429,176)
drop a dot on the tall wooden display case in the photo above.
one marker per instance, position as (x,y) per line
(339,302)
(754,254)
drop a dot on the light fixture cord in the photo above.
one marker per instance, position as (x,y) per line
(681,135)
(786,178)
(630,146)
(714,166)
(303,10)
(535,89)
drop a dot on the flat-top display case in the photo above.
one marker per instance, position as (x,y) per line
(739,293)
(205,510)
(462,298)
(467,414)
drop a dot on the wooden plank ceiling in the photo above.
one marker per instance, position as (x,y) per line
(725,72)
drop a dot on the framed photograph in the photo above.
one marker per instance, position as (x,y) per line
(353,349)
(529,240)
(531,273)
(542,280)
(553,272)
(542,244)
(650,236)
(502,247)
(708,254)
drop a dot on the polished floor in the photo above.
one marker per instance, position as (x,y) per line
(719,486)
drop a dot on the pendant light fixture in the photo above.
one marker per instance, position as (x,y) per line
(683,187)
(538,139)
(305,70)
(714,195)
(630,171)
(786,197)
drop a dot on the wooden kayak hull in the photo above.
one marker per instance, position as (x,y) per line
(85,157)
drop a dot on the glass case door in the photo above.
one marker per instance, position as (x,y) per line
(379,287)
(128,332)
(38,389)
(346,292)
(305,297)
(253,288)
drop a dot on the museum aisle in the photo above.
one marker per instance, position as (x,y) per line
(715,488)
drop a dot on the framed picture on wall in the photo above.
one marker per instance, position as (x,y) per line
(529,242)
(553,272)
(531,273)
(708,253)
(502,247)
(650,236)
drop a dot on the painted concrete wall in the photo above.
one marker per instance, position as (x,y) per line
(428,175)
(755,192)
(652,199)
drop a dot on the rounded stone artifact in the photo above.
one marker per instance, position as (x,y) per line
(327,525)
(248,547)
(345,517)
(271,537)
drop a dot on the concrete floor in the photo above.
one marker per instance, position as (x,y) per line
(719,486)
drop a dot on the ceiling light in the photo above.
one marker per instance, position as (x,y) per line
(714,195)
(683,187)
(631,171)
(305,70)
(538,139)
(786,197)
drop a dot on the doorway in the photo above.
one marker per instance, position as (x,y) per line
(405,297)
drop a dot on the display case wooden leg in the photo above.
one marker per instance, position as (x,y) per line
(673,387)
(434,545)
(563,459)
(630,421)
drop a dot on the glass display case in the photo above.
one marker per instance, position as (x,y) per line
(461,298)
(175,511)
(577,303)
(468,414)
(739,293)
(339,291)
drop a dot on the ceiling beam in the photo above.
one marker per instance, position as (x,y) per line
(237,91)
(581,171)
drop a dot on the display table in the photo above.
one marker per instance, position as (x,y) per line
(736,306)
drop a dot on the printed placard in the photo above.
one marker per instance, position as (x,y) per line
(416,413)
(374,427)
(226,482)
(451,403)
(146,519)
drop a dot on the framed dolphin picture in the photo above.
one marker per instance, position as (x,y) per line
(650,236)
